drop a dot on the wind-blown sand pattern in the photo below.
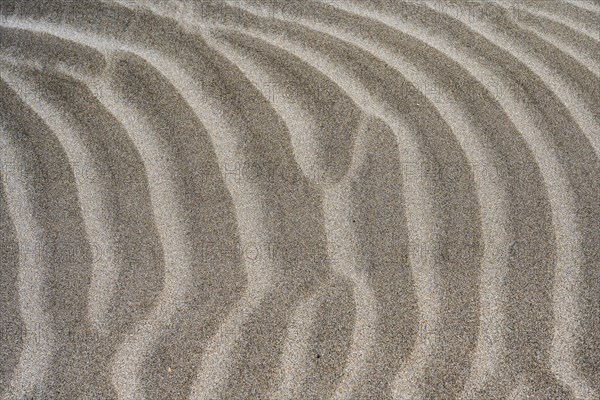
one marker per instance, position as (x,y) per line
(334,199)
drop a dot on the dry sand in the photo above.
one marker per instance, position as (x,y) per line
(344,199)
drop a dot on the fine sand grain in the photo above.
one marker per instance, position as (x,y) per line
(286,199)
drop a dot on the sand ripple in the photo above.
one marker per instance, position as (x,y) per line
(334,199)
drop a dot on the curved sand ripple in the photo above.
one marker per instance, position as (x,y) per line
(300,199)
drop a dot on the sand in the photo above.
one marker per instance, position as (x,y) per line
(340,199)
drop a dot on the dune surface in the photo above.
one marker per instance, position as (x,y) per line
(300,199)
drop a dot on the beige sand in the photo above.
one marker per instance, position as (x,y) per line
(342,199)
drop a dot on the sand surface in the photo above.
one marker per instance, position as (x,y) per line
(338,199)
